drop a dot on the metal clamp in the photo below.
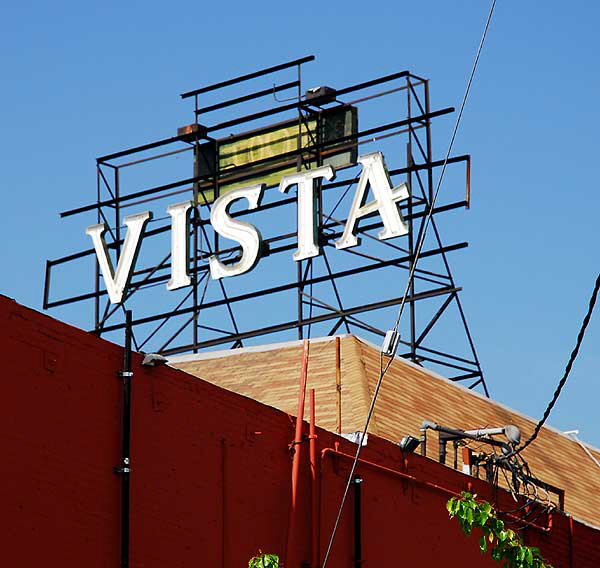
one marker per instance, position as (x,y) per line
(123,470)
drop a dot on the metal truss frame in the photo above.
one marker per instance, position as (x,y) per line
(189,311)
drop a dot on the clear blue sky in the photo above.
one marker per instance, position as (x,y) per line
(83,79)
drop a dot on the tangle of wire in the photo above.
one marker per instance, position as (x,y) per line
(524,486)
(384,368)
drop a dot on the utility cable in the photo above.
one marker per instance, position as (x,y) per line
(383,369)
(445,164)
(563,380)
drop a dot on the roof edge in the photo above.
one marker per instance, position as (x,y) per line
(252,349)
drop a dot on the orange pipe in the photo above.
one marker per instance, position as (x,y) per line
(296,446)
(571,543)
(312,444)
(338,385)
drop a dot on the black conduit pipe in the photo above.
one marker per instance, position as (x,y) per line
(124,470)
(358,559)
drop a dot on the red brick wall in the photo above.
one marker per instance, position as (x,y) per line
(211,472)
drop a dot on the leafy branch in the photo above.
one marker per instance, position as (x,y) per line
(264,561)
(505,545)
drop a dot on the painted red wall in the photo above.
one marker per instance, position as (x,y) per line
(211,472)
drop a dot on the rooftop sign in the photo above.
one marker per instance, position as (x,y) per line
(292,187)
(374,174)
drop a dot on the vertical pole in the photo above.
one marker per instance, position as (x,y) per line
(217,187)
(312,444)
(299,298)
(468,183)
(296,447)
(571,544)
(442,448)
(223,503)
(358,560)
(125,469)
(299,138)
(97,267)
(428,143)
(195,225)
(411,237)
(338,385)
(467,459)
(117,212)
(298,168)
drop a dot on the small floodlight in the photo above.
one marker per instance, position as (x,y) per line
(153,360)
(512,433)
(323,93)
(409,444)
(191,132)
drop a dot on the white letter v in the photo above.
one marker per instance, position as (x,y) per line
(116,283)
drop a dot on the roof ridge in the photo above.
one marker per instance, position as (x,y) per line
(363,379)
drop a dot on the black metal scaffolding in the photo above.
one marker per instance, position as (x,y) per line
(325,289)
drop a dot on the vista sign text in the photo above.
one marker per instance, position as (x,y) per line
(374,174)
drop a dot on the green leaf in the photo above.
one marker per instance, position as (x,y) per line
(264,561)
(464,525)
(505,544)
(497,525)
(529,555)
(496,554)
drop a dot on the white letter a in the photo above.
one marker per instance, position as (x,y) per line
(375,174)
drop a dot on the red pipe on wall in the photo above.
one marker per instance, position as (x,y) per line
(312,444)
(338,385)
(380,467)
(296,446)
(571,543)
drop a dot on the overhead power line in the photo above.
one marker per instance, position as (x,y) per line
(567,372)
(394,332)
